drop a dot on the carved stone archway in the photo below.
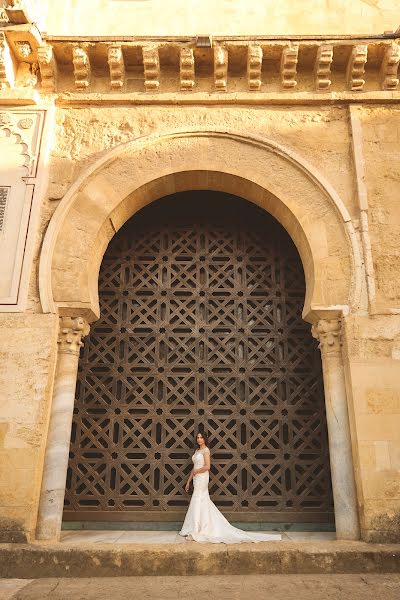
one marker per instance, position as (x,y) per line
(132,175)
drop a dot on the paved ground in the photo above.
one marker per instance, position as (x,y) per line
(170,537)
(256,587)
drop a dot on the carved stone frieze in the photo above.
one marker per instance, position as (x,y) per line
(322,70)
(220,68)
(117,67)
(328,333)
(289,66)
(254,66)
(82,70)
(356,67)
(48,67)
(151,65)
(71,333)
(390,67)
(187,69)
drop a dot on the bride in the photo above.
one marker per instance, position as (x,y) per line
(203,521)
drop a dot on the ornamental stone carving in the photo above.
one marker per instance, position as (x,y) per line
(356,67)
(390,67)
(187,69)
(117,67)
(48,67)
(72,331)
(151,65)
(328,333)
(254,65)
(322,71)
(290,57)
(220,68)
(80,59)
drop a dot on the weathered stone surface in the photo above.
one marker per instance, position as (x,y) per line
(31,561)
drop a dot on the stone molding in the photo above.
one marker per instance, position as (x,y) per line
(160,164)
(123,60)
(329,334)
(71,333)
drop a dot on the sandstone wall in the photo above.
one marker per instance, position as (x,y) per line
(188,17)
(322,136)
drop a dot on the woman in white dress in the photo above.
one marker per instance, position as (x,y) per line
(203,521)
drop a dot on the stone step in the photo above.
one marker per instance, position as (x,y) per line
(32,561)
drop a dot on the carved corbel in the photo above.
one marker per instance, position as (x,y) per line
(356,67)
(81,61)
(329,334)
(220,68)
(71,333)
(117,67)
(7,77)
(48,67)
(151,64)
(390,66)
(322,69)
(187,69)
(254,65)
(290,57)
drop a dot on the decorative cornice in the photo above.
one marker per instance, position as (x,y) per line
(133,67)
(329,334)
(71,333)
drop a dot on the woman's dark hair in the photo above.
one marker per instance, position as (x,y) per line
(205,437)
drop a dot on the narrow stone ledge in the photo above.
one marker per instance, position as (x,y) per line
(35,561)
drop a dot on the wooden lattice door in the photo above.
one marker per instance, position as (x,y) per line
(201,297)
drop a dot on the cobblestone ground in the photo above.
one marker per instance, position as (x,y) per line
(237,587)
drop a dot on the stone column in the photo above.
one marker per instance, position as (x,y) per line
(328,332)
(72,330)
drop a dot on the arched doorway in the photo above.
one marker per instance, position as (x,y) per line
(201,296)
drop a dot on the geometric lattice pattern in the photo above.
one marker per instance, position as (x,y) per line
(200,324)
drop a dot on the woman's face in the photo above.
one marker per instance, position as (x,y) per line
(199,439)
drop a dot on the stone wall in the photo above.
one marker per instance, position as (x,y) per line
(326,161)
(188,17)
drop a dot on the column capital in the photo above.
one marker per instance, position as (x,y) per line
(72,331)
(329,334)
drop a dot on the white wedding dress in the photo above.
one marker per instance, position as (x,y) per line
(205,523)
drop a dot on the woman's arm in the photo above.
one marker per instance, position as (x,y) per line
(187,486)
